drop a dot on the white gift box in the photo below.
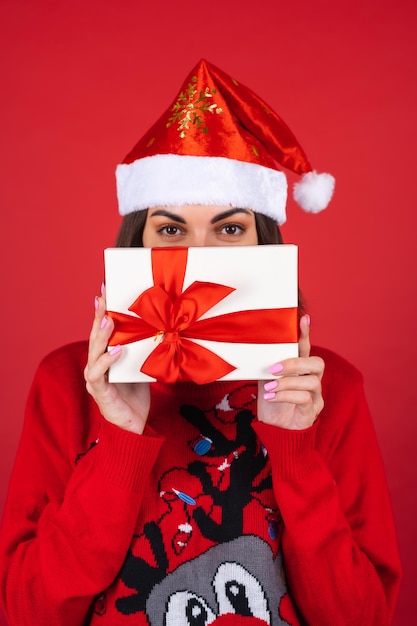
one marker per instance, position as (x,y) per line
(263,286)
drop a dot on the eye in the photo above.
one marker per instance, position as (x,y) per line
(170,230)
(239,592)
(188,609)
(232,229)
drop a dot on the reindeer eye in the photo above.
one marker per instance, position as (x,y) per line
(196,612)
(188,609)
(236,594)
(239,592)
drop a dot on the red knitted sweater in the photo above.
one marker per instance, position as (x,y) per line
(209,517)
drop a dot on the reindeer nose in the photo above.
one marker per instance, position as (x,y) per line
(232,619)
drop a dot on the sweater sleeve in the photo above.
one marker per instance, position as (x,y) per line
(68,522)
(338,540)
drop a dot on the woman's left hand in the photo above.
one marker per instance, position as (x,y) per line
(293,400)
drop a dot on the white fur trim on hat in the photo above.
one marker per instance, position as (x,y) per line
(175,180)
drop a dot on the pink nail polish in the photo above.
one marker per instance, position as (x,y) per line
(308,319)
(273,384)
(103,322)
(102,288)
(269,396)
(115,350)
(96,303)
(276,368)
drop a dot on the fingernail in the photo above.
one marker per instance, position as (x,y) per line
(103,322)
(269,396)
(96,303)
(102,288)
(273,384)
(308,319)
(276,368)
(115,350)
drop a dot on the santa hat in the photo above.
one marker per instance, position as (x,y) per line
(219,144)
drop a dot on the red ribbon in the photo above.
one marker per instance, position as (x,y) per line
(165,310)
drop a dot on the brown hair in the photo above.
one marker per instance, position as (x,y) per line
(131,230)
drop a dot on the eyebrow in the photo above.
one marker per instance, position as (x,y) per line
(216,218)
(171,216)
(229,213)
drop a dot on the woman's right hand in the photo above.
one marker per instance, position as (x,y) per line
(124,404)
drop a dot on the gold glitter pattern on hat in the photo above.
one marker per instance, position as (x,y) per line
(189,106)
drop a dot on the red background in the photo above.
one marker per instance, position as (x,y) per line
(81,81)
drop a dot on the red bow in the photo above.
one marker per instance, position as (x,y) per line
(165,310)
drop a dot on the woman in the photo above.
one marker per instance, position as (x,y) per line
(228,503)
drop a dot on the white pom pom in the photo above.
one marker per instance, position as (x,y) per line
(314,191)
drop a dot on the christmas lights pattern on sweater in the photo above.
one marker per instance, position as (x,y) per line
(212,556)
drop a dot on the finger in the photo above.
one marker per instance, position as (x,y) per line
(95,372)
(305,401)
(309,382)
(304,339)
(299,366)
(100,305)
(291,396)
(300,391)
(99,312)
(100,332)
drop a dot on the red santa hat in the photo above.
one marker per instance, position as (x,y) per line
(219,144)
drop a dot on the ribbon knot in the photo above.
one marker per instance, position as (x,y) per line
(170,337)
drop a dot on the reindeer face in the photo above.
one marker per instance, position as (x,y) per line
(219,587)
